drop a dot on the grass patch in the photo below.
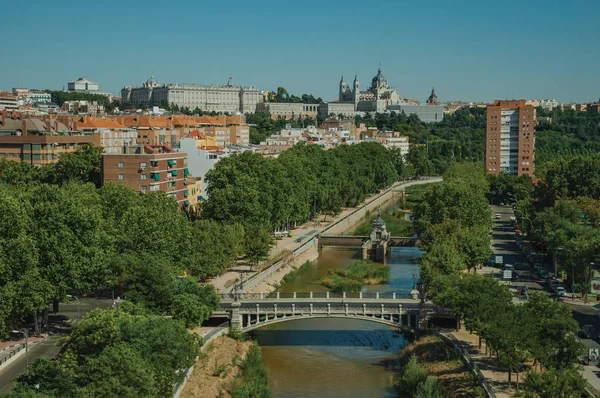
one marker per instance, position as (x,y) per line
(353,278)
(295,272)
(395,224)
(253,379)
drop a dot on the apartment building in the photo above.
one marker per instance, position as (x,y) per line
(8,101)
(510,138)
(148,168)
(113,135)
(37,142)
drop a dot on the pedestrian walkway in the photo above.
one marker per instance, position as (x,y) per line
(496,377)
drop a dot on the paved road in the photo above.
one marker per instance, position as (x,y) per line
(504,244)
(46,348)
(60,324)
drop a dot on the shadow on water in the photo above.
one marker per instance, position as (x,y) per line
(384,340)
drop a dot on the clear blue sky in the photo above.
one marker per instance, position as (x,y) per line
(470,50)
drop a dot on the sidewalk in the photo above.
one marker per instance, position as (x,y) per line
(497,378)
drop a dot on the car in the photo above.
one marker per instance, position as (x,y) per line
(522,290)
(501,203)
(589,332)
(515,275)
(560,291)
(519,266)
(553,283)
(537,266)
(498,216)
(509,267)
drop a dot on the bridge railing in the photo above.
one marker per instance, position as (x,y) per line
(314,295)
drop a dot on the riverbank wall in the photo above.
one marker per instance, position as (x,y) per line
(265,280)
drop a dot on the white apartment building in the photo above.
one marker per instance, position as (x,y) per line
(545,103)
(400,143)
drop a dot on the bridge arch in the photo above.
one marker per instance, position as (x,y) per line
(254,325)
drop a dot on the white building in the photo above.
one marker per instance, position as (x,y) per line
(232,99)
(8,101)
(545,103)
(200,161)
(82,84)
(400,143)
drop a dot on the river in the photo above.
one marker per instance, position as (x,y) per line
(337,357)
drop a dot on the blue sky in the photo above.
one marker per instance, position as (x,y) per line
(470,50)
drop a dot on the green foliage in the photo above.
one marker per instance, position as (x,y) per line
(555,383)
(262,126)
(506,188)
(114,353)
(292,275)
(251,190)
(252,381)
(60,97)
(52,377)
(569,134)
(395,224)
(353,278)
(430,388)
(412,377)
(459,137)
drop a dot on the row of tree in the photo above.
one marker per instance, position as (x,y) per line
(282,95)
(453,222)
(539,334)
(562,216)
(300,184)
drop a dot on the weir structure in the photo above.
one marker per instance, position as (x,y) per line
(375,246)
(249,311)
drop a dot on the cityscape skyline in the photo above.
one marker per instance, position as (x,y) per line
(307,47)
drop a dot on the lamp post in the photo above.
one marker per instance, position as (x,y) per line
(25,332)
(555,255)
(414,280)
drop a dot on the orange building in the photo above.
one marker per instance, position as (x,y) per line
(37,142)
(510,138)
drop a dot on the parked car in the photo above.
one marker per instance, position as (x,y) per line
(537,266)
(589,332)
(498,216)
(519,266)
(560,291)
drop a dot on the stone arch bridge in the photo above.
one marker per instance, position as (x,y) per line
(249,311)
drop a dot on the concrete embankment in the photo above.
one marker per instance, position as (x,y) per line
(308,251)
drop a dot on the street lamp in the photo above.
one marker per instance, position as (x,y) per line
(414,280)
(78,302)
(555,255)
(25,332)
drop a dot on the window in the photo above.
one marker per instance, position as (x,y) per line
(143,165)
(121,177)
(36,157)
(143,189)
(121,165)
(36,147)
(143,176)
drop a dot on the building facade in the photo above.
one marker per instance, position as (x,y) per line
(510,138)
(113,135)
(147,168)
(426,113)
(37,142)
(83,85)
(226,98)
(8,101)
(346,109)
(288,110)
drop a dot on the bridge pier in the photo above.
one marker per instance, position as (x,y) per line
(257,313)
(235,320)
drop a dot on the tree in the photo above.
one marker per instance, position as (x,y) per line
(430,388)
(555,383)
(413,375)
(258,244)
(50,378)
(82,165)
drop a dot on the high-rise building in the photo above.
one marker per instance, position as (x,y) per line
(510,138)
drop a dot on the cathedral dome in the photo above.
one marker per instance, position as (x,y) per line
(379,78)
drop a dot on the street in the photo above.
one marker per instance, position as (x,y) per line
(503,243)
(59,325)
